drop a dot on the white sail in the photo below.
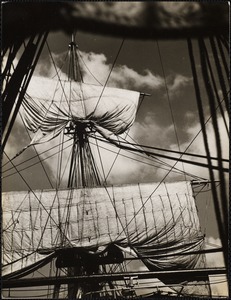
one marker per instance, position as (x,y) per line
(152,219)
(50,106)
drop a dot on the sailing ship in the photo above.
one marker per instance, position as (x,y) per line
(97,239)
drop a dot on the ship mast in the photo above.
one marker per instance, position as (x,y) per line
(82,174)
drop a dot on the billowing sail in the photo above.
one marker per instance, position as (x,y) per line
(152,219)
(50,106)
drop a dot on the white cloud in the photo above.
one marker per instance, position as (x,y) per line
(214,260)
(176,83)
(148,131)
(198,146)
(218,283)
(96,69)
(121,76)
(127,77)
(151,133)
(211,137)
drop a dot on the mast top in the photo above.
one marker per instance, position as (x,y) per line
(73,44)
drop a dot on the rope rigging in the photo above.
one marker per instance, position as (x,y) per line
(170,106)
(177,159)
(225,63)
(122,155)
(149,158)
(15,90)
(84,171)
(205,137)
(37,155)
(162,149)
(113,65)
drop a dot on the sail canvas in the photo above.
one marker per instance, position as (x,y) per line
(49,110)
(152,219)
(70,225)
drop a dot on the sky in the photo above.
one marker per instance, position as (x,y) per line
(161,69)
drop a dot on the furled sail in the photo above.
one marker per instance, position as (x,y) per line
(50,106)
(153,219)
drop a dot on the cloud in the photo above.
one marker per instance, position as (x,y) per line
(121,75)
(152,129)
(131,168)
(176,83)
(211,136)
(95,70)
(97,64)
(45,68)
(149,132)
(218,283)
(118,169)
(214,260)
(125,77)
(198,144)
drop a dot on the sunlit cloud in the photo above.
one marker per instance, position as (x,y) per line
(219,286)
(96,69)
(95,66)
(198,145)
(176,83)
(149,131)
(216,259)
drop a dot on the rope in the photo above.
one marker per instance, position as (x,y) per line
(210,95)
(49,213)
(41,160)
(37,155)
(215,89)
(177,159)
(113,65)
(148,158)
(113,163)
(59,79)
(100,158)
(225,42)
(79,54)
(41,39)
(205,138)
(59,164)
(148,198)
(219,72)
(167,150)
(169,103)
(60,69)
(163,162)
(91,158)
(225,64)
(26,160)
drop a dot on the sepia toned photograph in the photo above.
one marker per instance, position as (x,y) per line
(115,149)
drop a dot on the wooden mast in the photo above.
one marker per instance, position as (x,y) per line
(81,162)
(16,85)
